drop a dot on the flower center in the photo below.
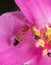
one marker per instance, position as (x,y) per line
(43,38)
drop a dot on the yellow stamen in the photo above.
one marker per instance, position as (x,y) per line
(41,42)
(44,52)
(48,32)
(38,32)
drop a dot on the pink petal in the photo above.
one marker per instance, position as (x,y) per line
(25,50)
(10,24)
(44,60)
(20,54)
(37,11)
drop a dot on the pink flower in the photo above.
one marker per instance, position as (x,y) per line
(39,13)
(26,52)
(10,24)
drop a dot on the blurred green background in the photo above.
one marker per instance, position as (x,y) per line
(7,6)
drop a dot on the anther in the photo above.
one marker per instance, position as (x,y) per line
(49,54)
(41,42)
(16,42)
(37,37)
